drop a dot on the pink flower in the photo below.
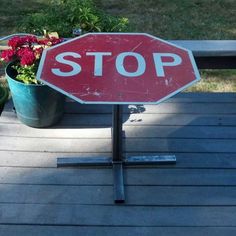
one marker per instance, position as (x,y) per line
(7,55)
(15,42)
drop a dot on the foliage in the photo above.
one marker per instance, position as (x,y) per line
(26,74)
(63,16)
(26,52)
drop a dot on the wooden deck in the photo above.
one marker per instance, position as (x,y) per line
(197,196)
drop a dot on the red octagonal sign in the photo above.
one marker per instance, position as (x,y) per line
(118,68)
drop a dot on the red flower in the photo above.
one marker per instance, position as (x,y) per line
(44,42)
(27,49)
(30,39)
(49,41)
(15,42)
(55,40)
(7,55)
(26,52)
(20,52)
(27,57)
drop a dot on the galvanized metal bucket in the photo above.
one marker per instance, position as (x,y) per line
(36,105)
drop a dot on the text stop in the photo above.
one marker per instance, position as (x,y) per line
(159,63)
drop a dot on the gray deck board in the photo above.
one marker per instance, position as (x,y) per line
(185,160)
(166,108)
(141,131)
(94,120)
(159,145)
(94,215)
(197,196)
(102,195)
(29,230)
(133,176)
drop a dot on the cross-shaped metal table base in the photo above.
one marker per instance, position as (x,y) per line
(116,161)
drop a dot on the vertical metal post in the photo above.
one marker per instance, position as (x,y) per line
(117,133)
(117,159)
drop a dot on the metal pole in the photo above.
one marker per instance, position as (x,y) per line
(117,159)
(117,133)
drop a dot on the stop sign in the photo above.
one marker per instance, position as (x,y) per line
(118,68)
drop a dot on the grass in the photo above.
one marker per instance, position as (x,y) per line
(178,19)
(215,81)
(174,19)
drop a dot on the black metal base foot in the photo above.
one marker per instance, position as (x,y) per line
(118,178)
(150,160)
(83,161)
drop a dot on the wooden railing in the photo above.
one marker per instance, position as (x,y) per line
(211,54)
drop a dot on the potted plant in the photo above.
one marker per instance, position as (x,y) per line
(36,104)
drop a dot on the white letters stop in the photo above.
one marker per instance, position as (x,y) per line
(159,63)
